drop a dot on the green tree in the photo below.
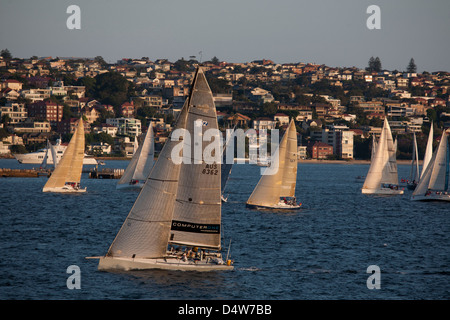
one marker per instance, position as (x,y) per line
(412,68)
(6,54)
(215,60)
(374,64)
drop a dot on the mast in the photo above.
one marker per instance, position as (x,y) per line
(197,209)
(179,203)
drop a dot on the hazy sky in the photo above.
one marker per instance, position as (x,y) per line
(331,32)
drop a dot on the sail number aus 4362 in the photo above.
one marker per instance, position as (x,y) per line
(211,169)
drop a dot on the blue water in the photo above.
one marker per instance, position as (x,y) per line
(319,252)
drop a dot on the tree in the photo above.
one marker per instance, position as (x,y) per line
(412,68)
(6,54)
(374,64)
(215,60)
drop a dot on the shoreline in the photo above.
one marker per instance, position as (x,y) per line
(315,161)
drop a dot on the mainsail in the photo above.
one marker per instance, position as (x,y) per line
(180,202)
(428,150)
(70,167)
(281,184)
(415,172)
(436,174)
(383,167)
(142,161)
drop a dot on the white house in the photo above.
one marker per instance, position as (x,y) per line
(264,123)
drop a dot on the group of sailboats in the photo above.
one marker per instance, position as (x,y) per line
(175,222)
(434,182)
(431,184)
(382,177)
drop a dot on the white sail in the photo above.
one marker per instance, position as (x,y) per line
(54,157)
(146,156)
(46,155)
(270,188)
(439,173)
(145,232)
(374,147)
(198,202)
(415,172)
(70,167)
(383,167)
(142,161)
(428,150)
(436,175)
(179,203)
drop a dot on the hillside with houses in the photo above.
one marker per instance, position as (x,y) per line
(336,110)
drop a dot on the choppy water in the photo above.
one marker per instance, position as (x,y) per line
(319,252)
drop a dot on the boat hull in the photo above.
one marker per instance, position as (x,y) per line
(64,190)
(277,207)
(127,264)
(127,186)
(33,158)
(382,191)
(431,197)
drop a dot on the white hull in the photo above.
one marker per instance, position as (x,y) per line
(126,264)
(432,197)
(127,186)
(386,191)
(65,189)
(37,157)
(279,206)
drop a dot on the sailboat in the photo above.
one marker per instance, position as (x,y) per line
(175,222)
(414,174)
(382,177)
(140,164)
(45,162)
(428,150)
(277,191)
(67,175)
(434,184)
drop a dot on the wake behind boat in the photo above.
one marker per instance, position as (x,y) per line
(277,191)
(175,223)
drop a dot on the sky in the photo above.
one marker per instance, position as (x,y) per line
(330,32)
